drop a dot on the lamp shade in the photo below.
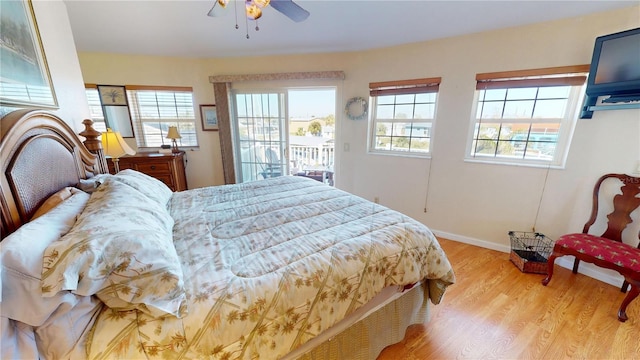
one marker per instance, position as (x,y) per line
(173,133)
(114,145)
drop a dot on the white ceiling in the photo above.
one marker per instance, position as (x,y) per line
(182,27)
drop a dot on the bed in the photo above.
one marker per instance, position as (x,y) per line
(121,267)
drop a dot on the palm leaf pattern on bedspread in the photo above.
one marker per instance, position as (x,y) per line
(268,265)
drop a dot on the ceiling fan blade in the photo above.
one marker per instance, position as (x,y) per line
(290,9)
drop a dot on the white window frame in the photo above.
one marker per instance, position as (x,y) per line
(262,108)
(95,107)
(410,87)
(183,116)
(573,76)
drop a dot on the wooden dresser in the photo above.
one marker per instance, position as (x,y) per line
(168,168)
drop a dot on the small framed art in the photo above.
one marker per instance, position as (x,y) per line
(112,95)
(209,117)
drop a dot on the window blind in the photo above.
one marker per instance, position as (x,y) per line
(400,87)
(155,108)
(554,76)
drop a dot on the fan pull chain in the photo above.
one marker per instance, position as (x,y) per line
(246,23)
(235,13)
(246,19)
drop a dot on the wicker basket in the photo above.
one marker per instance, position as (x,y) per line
(530,251)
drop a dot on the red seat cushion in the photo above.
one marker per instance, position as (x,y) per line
(615,252)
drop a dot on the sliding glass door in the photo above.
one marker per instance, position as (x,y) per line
(284,131)
(261,135)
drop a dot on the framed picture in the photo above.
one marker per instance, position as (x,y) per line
(25,81)
(209,117)
(112,95)
(115,108)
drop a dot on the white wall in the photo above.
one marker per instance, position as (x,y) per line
(471,202)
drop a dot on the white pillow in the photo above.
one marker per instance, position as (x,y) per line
(65,330)
(55,200)
(57,325)
(120,249)
(115,201)
(21,258)
(18,340)
(151,187)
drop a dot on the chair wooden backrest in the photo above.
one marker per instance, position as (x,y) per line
(623,205)
(603,250)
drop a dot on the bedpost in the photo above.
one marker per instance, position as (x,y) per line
(94,146)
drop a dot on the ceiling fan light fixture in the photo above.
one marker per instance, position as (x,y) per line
(253,11)
(262,3)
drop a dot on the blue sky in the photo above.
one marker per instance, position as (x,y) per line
(312,103)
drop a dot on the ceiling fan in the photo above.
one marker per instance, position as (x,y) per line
(253,9)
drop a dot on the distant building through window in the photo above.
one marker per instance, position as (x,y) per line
(525,117)
(402,116)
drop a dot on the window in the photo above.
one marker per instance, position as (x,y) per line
(403,114)
(95,108)
(526,117)
(154,109)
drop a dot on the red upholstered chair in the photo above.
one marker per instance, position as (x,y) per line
(608,250)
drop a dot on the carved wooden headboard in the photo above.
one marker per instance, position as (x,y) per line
(39,155)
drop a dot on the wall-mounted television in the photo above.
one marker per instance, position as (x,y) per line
(615,67)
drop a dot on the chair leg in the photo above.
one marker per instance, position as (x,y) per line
(624,287)
(576,263)
(633,293)
(550,263)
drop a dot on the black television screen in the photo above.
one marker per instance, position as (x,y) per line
(615,66)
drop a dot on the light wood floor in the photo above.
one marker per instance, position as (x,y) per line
(494,311)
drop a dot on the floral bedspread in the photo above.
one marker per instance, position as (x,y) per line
(270,264)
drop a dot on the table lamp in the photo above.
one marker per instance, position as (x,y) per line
(173,134)
(114,146)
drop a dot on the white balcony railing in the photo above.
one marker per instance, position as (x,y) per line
(306,157)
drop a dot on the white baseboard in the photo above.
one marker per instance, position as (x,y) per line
(605,275)
(472,241)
